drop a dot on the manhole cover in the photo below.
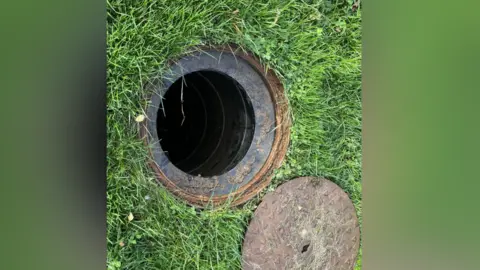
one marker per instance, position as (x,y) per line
(217,125)
(307,223)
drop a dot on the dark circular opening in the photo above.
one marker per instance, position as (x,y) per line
(206,123)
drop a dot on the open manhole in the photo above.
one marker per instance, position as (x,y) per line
(217,125)
(306,223)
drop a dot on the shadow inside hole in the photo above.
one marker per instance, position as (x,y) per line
(208,125)
(305,248)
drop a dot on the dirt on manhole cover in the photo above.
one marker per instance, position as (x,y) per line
(307,223)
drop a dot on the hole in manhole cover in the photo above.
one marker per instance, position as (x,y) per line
(217,125)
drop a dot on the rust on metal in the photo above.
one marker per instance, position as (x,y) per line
(196,190)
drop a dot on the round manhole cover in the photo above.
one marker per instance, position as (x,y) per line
(217,125)
(306,223)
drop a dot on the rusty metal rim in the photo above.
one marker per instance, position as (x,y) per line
(279,147)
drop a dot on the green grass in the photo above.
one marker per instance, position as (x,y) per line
(315,48)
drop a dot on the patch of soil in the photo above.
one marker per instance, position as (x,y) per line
(306,223)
